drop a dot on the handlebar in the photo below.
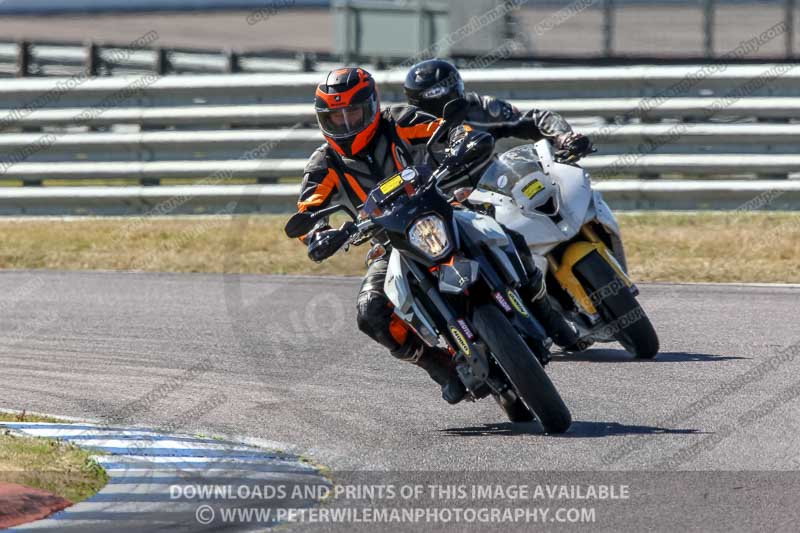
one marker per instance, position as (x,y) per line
(359,233)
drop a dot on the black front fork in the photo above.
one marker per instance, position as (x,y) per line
(492,285)
(459,332)
(511,299)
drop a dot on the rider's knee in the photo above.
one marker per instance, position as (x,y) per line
(373,313)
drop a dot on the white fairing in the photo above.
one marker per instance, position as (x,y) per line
(396,285)
(548,203)
(399,293)
(604,215)
(486,229)
(545,213)
(546,157)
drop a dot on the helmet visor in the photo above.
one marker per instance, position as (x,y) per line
(346,121)
(452,87)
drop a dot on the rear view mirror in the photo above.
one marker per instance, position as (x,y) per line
(475,148)
(455,110)
(302,223)
(299,225)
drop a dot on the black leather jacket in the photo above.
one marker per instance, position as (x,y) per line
(488,109)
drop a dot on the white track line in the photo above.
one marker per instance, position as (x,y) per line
(144,465)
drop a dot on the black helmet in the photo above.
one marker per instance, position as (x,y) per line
(431,84)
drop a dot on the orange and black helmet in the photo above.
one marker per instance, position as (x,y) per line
(347,108)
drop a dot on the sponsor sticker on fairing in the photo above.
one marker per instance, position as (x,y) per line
(532,189)
(460,340)
(502,302)
(465,328)
(518,305)
(391,184)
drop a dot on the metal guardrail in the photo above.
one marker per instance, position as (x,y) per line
(361,29)
(285,115)
(229,199)
(647,121)
(164,146)
(656,83)
(27,59)
(273,169)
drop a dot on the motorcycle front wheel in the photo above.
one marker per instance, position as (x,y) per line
(516,411)
(629,324)
(522,368)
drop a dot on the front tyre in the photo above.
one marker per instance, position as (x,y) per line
(522,367)
(516,411)
(619,308)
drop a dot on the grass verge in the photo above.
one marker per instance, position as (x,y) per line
(714,247)
(48,464)
(23,416)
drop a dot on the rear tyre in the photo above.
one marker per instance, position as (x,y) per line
(619,309)
(523,369)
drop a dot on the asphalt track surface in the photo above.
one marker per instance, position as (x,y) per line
(284,363)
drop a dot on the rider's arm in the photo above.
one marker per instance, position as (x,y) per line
(317,189)
(534,125)
(550,125)
(412,125)
(450,182)
(539,123)
(493,109)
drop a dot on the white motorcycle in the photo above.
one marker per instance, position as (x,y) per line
(574,238)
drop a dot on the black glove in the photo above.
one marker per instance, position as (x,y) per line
(324,243)
(455,138)
(573,146)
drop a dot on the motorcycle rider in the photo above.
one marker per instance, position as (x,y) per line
(364,145)
(430,84)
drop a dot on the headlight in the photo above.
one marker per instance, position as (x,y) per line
(429,235)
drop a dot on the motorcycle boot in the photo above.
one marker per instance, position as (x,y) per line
(556,326)
(535,292)
(439,365)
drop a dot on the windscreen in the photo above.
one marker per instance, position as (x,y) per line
(508,168)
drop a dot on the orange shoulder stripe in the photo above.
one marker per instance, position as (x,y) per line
(356,187)
(420,131)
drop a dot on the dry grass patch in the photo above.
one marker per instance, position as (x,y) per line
(48,464)
(213,244)
(51,465)
(726,247)
(743,247)
(23,416)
